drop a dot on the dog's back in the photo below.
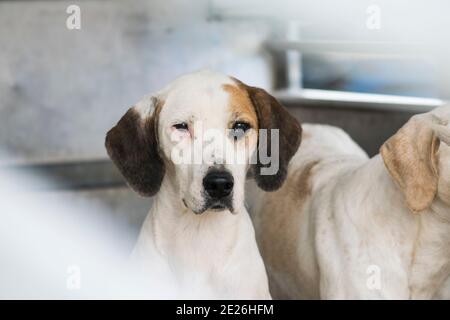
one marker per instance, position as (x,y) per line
(323,143)
(282,218)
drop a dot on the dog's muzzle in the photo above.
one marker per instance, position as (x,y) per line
(219,186)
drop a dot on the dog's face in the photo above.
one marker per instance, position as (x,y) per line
(200,134)
(202,122)
(418,159)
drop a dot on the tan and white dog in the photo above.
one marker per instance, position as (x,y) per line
(343,226)
(198,224)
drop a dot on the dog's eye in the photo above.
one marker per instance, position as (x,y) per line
(239,128)
(182,126)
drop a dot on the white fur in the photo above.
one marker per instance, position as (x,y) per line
(354,223)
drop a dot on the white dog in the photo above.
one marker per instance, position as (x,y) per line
(198,224)
(344,226)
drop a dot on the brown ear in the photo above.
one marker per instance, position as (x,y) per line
(411,157)
(272,115)
(132,145)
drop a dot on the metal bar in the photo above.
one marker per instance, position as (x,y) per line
(370,48)
(358,100)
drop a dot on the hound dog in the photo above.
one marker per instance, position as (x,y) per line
(198,224)
(344,226)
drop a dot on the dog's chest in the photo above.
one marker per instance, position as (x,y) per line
(214,259)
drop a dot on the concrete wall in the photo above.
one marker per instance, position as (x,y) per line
(61,89)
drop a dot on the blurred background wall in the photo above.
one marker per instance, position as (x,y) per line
(62,89)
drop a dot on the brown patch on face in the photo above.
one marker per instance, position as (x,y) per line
(241,106)
(271,115)
(279,236)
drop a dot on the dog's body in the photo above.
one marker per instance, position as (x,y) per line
(198,226)
(344,226)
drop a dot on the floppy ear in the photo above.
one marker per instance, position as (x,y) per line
(411,157)
(133,146)
(272,115)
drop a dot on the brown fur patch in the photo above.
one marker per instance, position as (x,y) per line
(241,106)
(281,219)
(411,157)
(271,115)
(133,146)
(303,182)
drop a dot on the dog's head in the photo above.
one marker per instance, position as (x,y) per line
(201,134)
(418,159)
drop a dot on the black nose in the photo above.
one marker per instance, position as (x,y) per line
(218,184)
